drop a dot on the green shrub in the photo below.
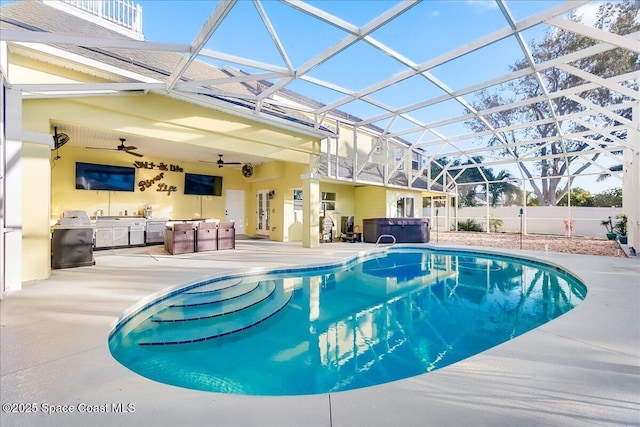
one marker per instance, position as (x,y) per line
(469,225)
(621,225)
(495,223)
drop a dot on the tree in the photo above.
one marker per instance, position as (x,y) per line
(471,181)
(495,224)
(503,188)
(553,152)
(606,175)
(435,168)
(612,197)
(467,180)
(532,200)
(579,197)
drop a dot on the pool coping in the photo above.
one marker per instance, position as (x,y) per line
(580,368)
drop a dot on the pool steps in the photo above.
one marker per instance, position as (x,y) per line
(206,310)
(214,297)
(185,324)
(214,286)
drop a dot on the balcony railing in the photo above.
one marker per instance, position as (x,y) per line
(124,13)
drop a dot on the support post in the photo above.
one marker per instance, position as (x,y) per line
(631,182)
(486,193)
(521,215)
(311,205)
(11,200)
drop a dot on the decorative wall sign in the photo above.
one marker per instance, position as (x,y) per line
(147,183)
(160,166)
(168,188)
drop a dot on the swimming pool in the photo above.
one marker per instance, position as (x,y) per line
(378,318)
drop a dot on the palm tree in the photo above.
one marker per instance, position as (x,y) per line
(604,175)
(502,186)
(495,223)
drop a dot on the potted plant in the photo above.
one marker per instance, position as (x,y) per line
(621,228)
(608,225)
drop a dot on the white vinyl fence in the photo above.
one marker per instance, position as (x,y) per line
(541,219)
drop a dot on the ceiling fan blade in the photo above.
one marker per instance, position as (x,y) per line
(134,154)
(100,148)
(221,163)
(119,148)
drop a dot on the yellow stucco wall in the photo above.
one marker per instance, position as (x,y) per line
(156,183)
(381,202)
(345,203)
(392,199)
(152,116)
(145,115)
(346,145)
(36,237)
(370,202)
(281,178)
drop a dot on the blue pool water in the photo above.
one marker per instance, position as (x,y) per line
(373,320)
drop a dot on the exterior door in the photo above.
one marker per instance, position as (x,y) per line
(234,209)
(263,212)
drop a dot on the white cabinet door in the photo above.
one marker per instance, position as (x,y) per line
(104,237)
(120,236)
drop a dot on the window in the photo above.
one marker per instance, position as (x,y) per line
(399,157)
(404,207)
(415,161)
(328,201)
(297,200)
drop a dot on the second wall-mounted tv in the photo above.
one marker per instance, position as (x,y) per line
(204,185)
(92,176)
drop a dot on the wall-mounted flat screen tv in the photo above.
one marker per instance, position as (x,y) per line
(204,185)
(91,176)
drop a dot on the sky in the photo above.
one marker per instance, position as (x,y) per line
(424,32)
(428,30)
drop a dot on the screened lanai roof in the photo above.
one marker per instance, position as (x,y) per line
(391,67)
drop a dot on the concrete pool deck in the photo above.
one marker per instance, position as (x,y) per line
(580,369)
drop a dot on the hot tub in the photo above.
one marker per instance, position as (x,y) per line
(405,230)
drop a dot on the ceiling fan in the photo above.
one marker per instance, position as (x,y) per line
(126,148)
(222,163)
(59,139)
